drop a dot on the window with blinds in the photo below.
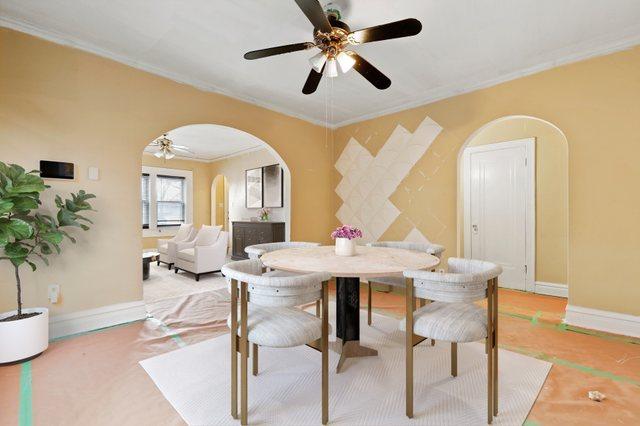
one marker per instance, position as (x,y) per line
(145,201)
(170,201)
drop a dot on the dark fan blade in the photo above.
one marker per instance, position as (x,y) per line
(404,28)
(371,73)
(312,82)
(315,14)
(271,51)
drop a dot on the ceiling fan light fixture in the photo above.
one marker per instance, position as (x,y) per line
(168,155)
(345,61)
(318,61)
(332,68)
(159,154)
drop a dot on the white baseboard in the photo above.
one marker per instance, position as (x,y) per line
(552,289)
(93,319)
(611,322)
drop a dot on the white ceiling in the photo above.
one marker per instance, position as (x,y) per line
(464,44)
(208,142)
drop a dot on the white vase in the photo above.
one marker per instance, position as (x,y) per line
(24,338)
(345,247)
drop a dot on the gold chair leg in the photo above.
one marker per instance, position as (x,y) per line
(234,349)
(454,359)
(369,303)
(317,308)
(495,346)
(490,377)
(244,349)
(409,305)
(254,359)
(325,352)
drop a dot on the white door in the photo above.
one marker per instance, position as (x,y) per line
(500,208)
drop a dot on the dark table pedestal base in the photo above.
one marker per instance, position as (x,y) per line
(348,321)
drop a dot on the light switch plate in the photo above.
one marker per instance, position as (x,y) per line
(53,292)
(93,173)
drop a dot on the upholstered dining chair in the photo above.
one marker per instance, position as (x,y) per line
(454,317)
(264,313)
(185,233)
(257,250)
(434,249)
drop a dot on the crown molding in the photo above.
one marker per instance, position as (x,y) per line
(430,96)
(212,160)
(55,37)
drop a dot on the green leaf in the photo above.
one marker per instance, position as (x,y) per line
(5,206)
(24,203)
(52,237)
(17,228)
(33,265)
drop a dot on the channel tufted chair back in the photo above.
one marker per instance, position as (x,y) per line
(275,291)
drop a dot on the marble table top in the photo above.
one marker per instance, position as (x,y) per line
(369,262)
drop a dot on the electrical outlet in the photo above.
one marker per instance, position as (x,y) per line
(53,292)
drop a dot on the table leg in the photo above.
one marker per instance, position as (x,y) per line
(348,321)
(145,268)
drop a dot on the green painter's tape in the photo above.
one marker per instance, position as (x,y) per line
(530,423)
(534,319)
(566,363)
(25,415)
(175,336)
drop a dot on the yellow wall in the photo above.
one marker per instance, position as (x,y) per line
(59,103)
(595,103)
(62,104)
(202,179)
(551,189)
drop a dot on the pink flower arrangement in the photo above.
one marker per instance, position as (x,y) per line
(346,231)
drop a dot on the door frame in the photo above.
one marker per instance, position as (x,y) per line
(530,212)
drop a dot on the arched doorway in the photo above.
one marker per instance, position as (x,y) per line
(545,264)
(220,202)
(213,163)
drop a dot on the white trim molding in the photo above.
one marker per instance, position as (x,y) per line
(596,319)
(94,319)
(552,289)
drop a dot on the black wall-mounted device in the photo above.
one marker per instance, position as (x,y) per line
(56,169)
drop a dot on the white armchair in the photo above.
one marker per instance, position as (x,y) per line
(185,233)
(205,254)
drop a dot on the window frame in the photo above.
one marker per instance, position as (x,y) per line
(154,229)
(146,225)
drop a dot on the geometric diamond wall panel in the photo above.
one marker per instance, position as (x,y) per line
(368,182)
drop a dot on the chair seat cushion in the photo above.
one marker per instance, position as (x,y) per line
(451,322)
(393,281)
(280,327)
(187,254)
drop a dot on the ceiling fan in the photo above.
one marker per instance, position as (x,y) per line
(167,149)
(333,37)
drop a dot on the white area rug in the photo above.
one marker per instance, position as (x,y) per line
(369,391)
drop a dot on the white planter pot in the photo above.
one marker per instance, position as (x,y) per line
(24,338)
(345,247)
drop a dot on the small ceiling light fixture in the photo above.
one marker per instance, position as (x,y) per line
(167,149)
(318,61)
(345,61)
(332,68)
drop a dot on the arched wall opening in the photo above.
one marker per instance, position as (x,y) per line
(551,194)
(230,165)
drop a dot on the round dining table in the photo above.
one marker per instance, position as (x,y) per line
(368,262)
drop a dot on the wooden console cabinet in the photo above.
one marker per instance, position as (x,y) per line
(250,233)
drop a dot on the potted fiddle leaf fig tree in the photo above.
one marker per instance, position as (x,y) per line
(29,236)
